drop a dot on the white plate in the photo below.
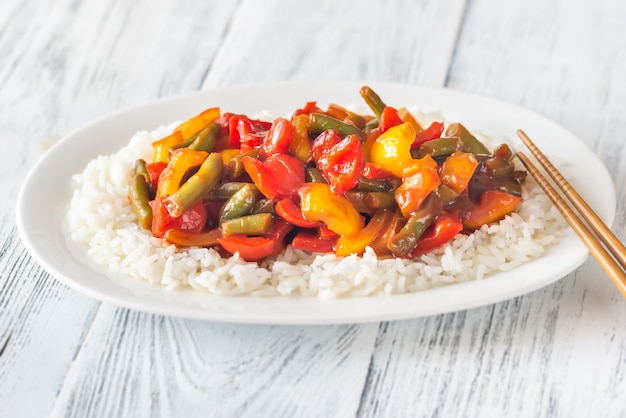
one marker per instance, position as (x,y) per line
(45,196)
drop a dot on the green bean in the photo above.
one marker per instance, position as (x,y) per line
(471,144)
(139,195)
(263,206)
(198,186)
(380,200)
(370,185)
(206,139)
(319,123)
(257,224)
(225,190)
(141,168)
(359,201)
(240,203)
(446,193)
(373,100)
(314,175)
(403,242)
(439,147)
(235,167)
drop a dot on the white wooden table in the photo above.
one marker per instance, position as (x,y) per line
(559,351)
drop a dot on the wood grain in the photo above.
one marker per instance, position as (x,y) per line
(543,346)
(559,351)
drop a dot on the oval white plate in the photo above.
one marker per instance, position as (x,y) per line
(48,187)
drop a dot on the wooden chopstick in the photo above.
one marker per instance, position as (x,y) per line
(614,267)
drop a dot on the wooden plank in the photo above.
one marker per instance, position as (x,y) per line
(63,64)
(234,370)
(149,365)
(558,351)
(401,41)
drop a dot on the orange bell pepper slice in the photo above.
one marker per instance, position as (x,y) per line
(161,148)
(195,124)
(418,181)
(458,169)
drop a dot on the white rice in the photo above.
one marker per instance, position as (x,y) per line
(101,219)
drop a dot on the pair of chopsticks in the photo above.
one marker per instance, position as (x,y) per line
(602,243)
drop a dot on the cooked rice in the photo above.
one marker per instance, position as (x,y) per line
(101,219)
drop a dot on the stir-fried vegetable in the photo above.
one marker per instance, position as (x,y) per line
(322,180)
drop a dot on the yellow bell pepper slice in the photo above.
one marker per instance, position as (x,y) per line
(300,146)
(161,148)
(357,243)
(319,204)
(391,151)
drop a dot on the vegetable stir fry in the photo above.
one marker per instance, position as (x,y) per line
(330,181)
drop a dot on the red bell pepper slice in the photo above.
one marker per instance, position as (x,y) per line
(434,131)
(388,119)
(309,107)
(277,177)
(371,172)
(155,170)
(258,247)
(192,220)
(443,230)
(290,211)
(278,138)
(341,161)
(246,133)
(314,242)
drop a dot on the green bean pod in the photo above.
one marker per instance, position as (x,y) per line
(314,175)
(235,167)
(380,200)
(198,186)
(240,203)
(139,195)
(439,147)
(470,142)
(206,139)
(226,190)
(263,206)
(371,185)
(257,224)
(319,123)
(403,242)
(373,100)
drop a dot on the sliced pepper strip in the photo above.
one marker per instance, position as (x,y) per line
(259,247)
(276,177)
(493,206)
(391,151)
(442,231)
(357,243)
(195,124)
(161,148)
(290,211)
(418,181)
(457,170)
(180,163)
(319,204)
